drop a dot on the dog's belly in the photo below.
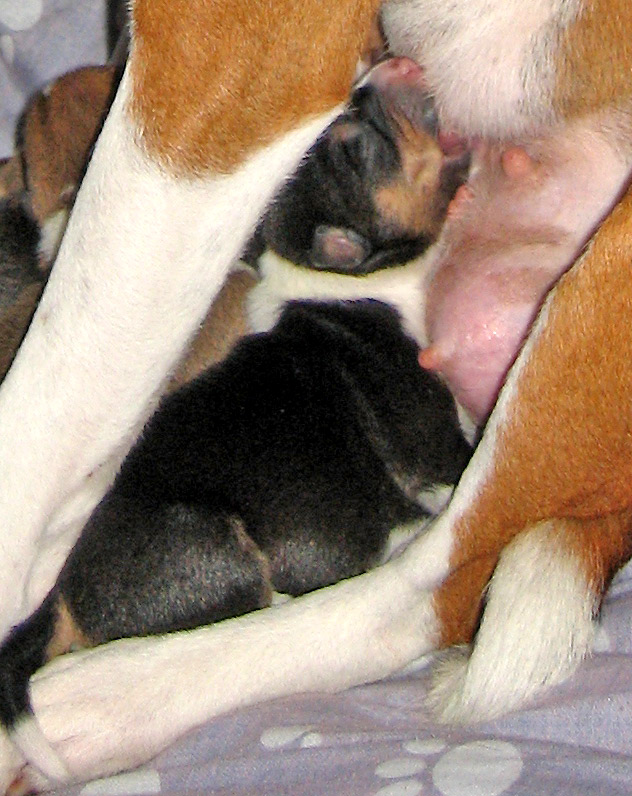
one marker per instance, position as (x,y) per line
(525,222)
(522,221)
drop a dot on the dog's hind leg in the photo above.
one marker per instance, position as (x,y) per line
(206,123)
(538,621)
(553,469)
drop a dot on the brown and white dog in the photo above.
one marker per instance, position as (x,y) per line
(200,145)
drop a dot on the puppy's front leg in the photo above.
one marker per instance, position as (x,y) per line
(216,106)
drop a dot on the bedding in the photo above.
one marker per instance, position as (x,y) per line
(375,739)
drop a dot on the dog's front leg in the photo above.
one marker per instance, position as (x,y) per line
(216,106)
(116,706)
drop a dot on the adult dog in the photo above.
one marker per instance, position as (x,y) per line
(195,136)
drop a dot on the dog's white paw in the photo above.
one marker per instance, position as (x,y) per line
(446,696)
(97,713)
(461,694)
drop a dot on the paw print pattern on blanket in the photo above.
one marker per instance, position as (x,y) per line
(471,769)
(476,768)
(141,782)
(277,737)
(20,15)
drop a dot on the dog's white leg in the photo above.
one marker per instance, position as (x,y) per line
(142,258)
(118,705)
(206,123)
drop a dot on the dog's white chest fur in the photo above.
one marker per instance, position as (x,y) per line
(470,96)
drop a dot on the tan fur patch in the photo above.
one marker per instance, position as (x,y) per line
(67,636)
(231,77)
(11,177)
(59,127)
(252,549)
(595,60)
(564,449)
(225,323)
(413,202)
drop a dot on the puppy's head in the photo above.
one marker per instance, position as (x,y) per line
(374,190)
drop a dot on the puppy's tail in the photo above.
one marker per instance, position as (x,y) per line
(21,655)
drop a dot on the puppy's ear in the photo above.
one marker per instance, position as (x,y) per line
(338,249)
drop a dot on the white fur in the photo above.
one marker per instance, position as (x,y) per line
(143,255)
(11,761)
(436,499)
(27,736)
(51,235)
(401,536)
(536,628)
(454,42)
(282,281)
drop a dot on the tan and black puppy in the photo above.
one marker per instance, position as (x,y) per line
(290,465)
(38,185)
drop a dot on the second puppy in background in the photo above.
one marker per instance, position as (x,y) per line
(293,463)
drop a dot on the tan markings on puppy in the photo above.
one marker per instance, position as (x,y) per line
(252,550)
(225,323)
(11,177)
(413,201)
(595,60)
(67,636)
(59,127)
(582,477)
(231,77)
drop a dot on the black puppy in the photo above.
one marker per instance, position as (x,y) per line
(290,465)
